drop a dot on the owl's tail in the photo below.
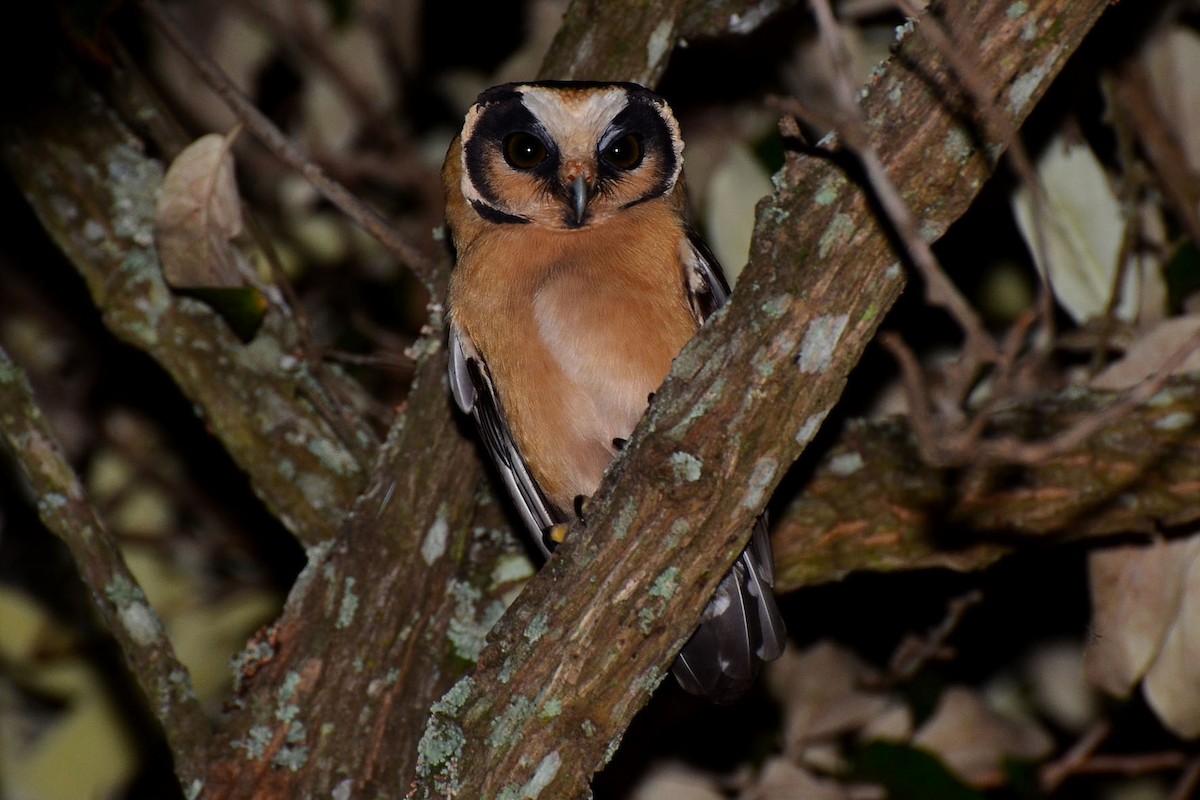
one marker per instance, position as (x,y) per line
(740,630)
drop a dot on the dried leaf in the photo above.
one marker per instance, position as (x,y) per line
(1172,686)
(675,781)
(198,213)
(735,187)
(820,689)
(783,780)
(973,740)
(1060,688)
(1081,226)
(1173,62)
(1135,598)
(1149,352)
(894,724)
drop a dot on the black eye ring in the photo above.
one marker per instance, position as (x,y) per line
(625,152)
(524,150)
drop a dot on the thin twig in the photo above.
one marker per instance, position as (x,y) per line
(1015,451)
(274,140)
(1131,91)
(1134,764)
(950,447)
(980,89)
(916,651)
(942,446)
(980,347)
(1052,775)
(1188,781)
(307,45)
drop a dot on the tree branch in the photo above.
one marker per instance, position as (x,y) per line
(626,40)
(93,189)
(385,618)
(378,626)
(1135,475)
(118,599)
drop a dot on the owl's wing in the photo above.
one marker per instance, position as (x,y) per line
(705,280)
(471,385)
(741,627)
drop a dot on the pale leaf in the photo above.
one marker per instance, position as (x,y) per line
(206,636)
(1135,596)
(1060,688)
(1172,60)
(332,117)
(782,780)
(25,623)
(89,736)
(1081,227)
(1150,352)
(675,781)
(973,740)
(1172,686)
(198,213)
(735,187)
(820,690)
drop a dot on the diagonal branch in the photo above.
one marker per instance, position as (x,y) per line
(65,510)
(625,40)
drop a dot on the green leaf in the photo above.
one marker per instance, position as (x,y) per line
(242,308)
(909,773)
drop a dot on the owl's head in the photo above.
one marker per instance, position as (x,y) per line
(566,155)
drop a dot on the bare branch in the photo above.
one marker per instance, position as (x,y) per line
(824,533)
(852,128)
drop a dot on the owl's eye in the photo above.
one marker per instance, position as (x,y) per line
(524,150)
(625,152)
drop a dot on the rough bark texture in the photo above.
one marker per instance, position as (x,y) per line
(627,40)
(376,628)
(391,610)
(1138,475)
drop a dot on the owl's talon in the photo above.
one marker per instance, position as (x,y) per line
(580,502)
(555,535)
(620,443)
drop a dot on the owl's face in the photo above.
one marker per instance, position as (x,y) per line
(567,155)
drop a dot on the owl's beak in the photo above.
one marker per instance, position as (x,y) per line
(578,178)
(579,197)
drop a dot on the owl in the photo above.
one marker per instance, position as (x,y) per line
(577,281)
